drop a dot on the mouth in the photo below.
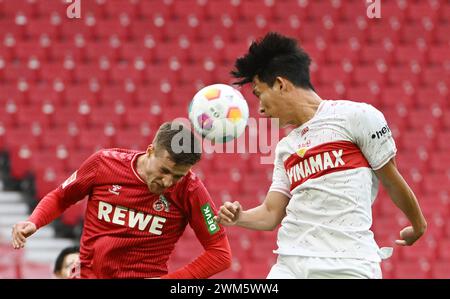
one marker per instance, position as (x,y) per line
(156,188)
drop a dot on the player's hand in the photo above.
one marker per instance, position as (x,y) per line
(408,236)
(228,213)
(20,232)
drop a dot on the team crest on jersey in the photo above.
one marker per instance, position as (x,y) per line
(161,204)
(302,151)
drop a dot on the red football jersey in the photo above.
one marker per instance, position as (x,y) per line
(128,231)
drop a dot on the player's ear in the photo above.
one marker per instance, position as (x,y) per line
(150,149)
(280,84)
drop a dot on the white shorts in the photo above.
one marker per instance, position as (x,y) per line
(298,267)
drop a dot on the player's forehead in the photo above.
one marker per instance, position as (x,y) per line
(255,83)
(166,162)
(258,85)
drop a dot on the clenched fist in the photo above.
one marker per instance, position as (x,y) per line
(229,213)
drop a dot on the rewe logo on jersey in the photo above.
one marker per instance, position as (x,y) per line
(127,217)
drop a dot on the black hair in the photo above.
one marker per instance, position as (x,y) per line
(272,56)
(60,259)
(179,141)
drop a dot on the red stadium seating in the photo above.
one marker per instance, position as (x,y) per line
(112,77)
(412,270)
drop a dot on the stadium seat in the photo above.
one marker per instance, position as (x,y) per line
(116,8)
(342,52)
(436,182)
(369,54)
(108,28)
(387,225)
(440,270)
(443,253)
(214,30)
(31,270)
(414,31)
(430,97)
(408,53)
(346,32)
(214,10)
(394,97)
(290,9)
(181,9)
(394,9)
(148,9)
(386,30)
(57,136)
(94,139)
(439,161)
(255,270)
(185,28)
(438,55)
(332,74)
(387,269)
(144,28)
(400,74)
(422,250)
(56,70)
(417,10)
(440,36)
(350,10)
(446,119)
(287,28)
(362,75)
(202,51)
(442,142)
(412,270)
(420,119)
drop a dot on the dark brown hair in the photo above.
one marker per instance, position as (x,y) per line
(179,141)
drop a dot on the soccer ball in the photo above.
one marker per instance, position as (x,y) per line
(219,112)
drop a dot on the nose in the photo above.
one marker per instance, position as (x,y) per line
(262,111)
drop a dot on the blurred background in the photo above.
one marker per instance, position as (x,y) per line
(108,79)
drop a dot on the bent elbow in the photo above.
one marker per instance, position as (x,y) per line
(228,260)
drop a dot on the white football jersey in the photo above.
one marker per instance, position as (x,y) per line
(326,167)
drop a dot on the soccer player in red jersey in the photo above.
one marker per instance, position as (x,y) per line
(139,205)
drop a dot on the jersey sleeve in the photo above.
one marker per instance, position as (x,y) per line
(373,136)
(280,181)
(72,190)
(201,212)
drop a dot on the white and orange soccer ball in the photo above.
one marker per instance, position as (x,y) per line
(219,112)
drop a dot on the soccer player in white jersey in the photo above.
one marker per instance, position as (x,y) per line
(326,172)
